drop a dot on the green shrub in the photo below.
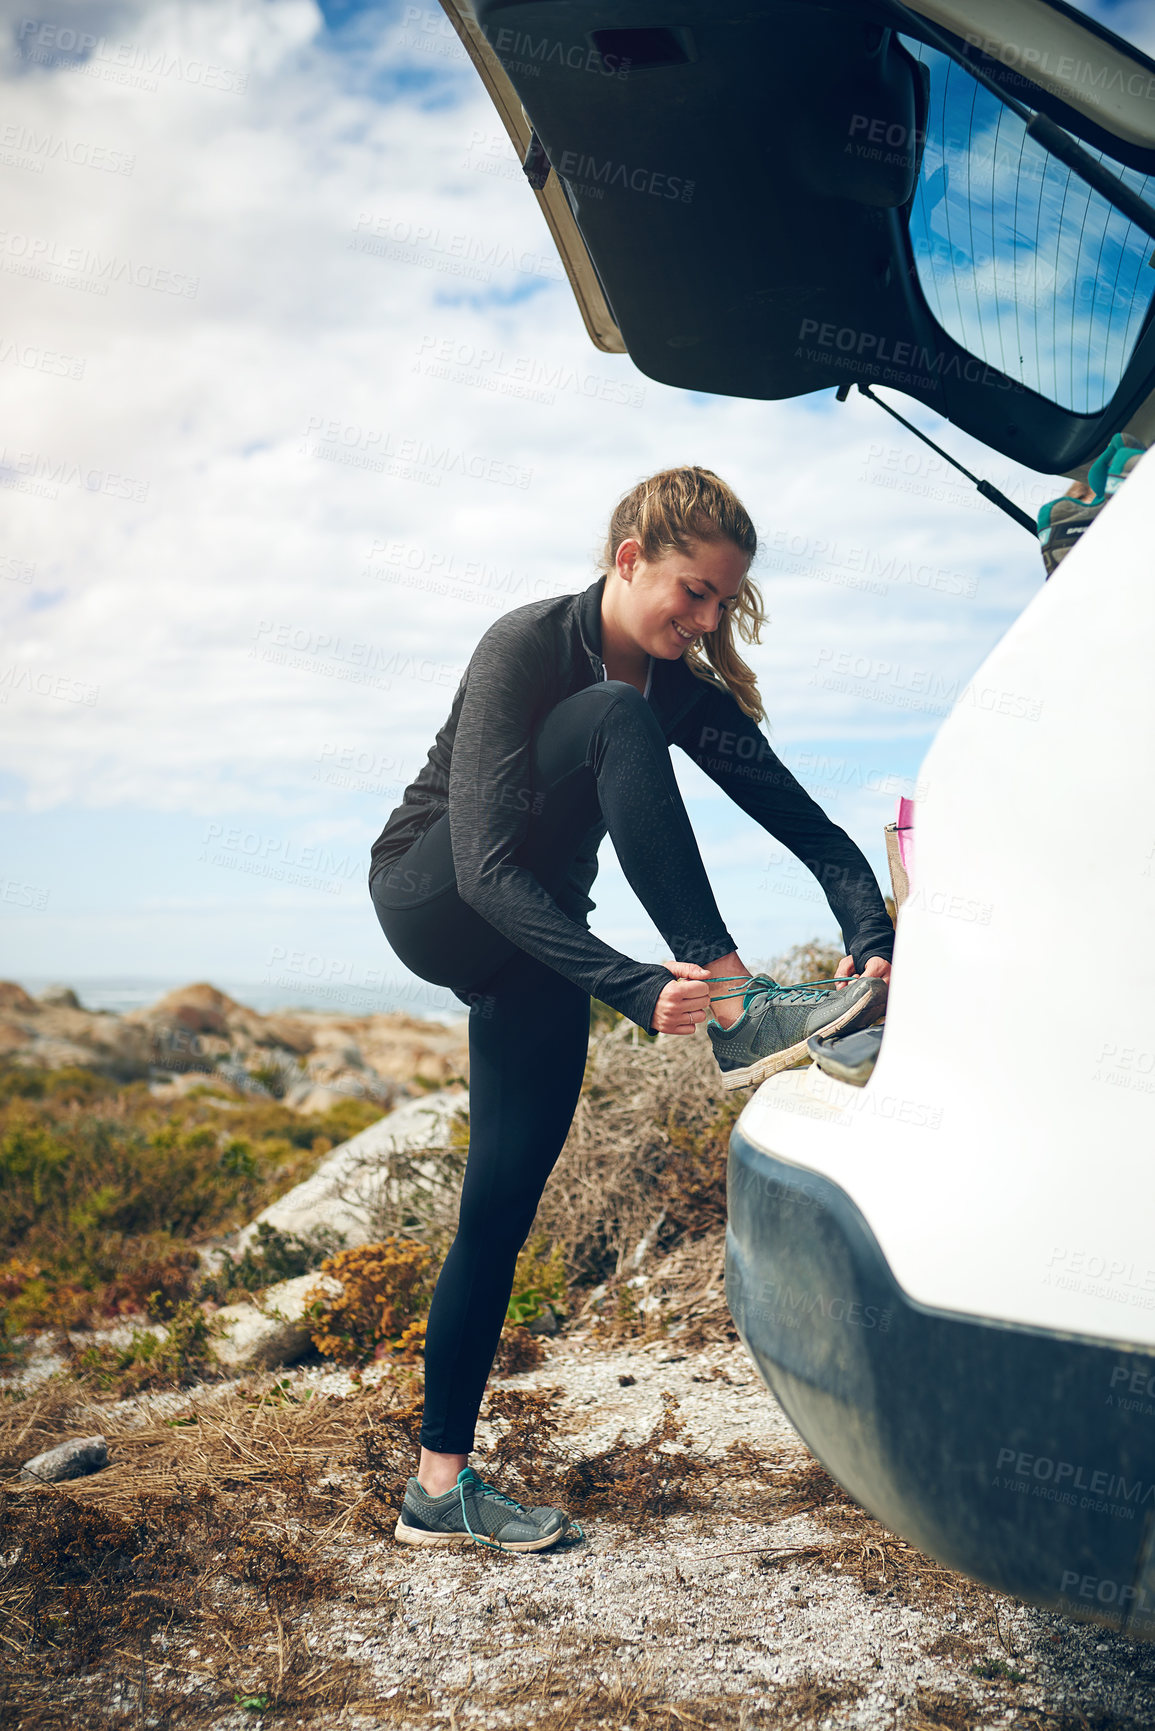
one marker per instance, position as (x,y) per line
(347,1118)
(271,1257)
(539,1283)
(182,1355)
(68,1084)
(105,1190)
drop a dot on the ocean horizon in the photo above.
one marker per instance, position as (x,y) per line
(123,992)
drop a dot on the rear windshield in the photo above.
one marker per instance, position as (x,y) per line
(1018,259)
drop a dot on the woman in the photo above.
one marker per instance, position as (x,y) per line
(560,732)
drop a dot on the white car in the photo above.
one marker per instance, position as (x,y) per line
(947,1275)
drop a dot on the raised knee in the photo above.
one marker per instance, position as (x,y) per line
(622,690)
(607,697)
(624,705)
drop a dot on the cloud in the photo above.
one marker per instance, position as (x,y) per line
(299,401)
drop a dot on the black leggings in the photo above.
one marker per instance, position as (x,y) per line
(598,755)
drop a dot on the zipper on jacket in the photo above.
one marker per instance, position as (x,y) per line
(595,662)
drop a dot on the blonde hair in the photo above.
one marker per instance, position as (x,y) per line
(665,514)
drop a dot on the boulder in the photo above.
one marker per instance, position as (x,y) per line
(47,1053)
(104,1038)
(14,997)
(271,1331)
(346,1191)
(68,1460)
(60,997)
(200,1008)
(289,1032)
(335,1051)
(399,1045)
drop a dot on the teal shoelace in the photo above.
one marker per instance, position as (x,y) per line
(800,990)
(805,991)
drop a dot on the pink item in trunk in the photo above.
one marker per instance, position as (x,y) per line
(904,823)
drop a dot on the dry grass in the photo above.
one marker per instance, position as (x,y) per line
(858,1546)
(636,1701)
(204,1566)
(256,1435)
(644,1165)
(631,1482)
(218,1519)
(517,1350)
(687,1287)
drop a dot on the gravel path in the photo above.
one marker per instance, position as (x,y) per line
(767,1599)
(654,1627)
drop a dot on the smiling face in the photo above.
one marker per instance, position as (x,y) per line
(661,607)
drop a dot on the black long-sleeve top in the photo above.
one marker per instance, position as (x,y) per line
(479,768)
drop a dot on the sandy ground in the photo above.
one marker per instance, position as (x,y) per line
(683,1622)
(727,1618)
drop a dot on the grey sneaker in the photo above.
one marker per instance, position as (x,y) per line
(776,1022)
(475,1513)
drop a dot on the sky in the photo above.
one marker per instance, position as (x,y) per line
(298,402)
(1019,259)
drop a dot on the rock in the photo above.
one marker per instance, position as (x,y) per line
(345,1192)
(102,1037)
(546,1323)
(336,1055)
(55,1036)
(288,1032)
(307,1098)
(200,1008)
(400,1046)
(275,1331)
(14,997)
(68,1460)
(321,1096)
(60,997)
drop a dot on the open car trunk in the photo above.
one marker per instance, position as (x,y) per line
(770,199)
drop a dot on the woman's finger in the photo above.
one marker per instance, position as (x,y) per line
(683,1005)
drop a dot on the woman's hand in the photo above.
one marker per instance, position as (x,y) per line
(875,969)
(684,1004)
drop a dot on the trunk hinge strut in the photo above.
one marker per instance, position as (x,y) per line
(986,488)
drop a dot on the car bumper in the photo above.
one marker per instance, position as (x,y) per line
(1023,1457)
